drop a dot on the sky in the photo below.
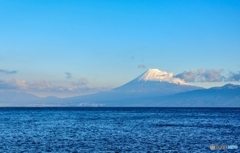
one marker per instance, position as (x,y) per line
(65,48)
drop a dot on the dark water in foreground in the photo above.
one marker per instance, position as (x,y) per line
(118,129)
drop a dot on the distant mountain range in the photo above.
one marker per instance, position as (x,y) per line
(225,96)
(12,98)
(154,88)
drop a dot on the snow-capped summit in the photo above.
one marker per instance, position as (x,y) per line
(157,75)
(157,82)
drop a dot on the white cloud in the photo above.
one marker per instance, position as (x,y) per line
(200,75)
(80,82)
(7,71)
(80,85)
(141,66)
(5,85)
(68,75)
(234,76)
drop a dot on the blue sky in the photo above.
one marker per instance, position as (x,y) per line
(66,48)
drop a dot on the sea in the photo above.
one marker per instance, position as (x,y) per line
(105,129)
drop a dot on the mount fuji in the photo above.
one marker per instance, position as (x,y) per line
(153,82)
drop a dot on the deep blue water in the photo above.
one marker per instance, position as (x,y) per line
(118,129)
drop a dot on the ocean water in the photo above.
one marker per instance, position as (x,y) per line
(118,129)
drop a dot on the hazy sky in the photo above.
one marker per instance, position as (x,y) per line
(64,48)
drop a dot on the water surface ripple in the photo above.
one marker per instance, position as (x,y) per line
(118,129)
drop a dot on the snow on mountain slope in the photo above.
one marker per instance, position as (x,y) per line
(157,75)
(154,81)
